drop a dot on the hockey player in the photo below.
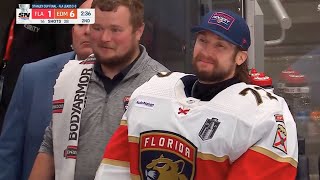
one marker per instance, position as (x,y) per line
(209,126)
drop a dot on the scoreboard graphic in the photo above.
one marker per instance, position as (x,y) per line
(53,14)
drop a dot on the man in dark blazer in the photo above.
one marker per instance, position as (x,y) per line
(30,43)
(30,109)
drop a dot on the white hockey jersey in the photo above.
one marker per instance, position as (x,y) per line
(244,132)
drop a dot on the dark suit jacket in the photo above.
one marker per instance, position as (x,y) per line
(29,113)
(31,43)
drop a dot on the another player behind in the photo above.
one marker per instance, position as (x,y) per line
(209,126)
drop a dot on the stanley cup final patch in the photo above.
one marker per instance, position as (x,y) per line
(166,155)
(209,128)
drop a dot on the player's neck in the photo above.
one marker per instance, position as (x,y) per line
(205,92)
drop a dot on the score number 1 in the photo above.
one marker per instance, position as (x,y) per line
(42,13)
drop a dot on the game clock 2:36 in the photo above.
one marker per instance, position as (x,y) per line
(85,13)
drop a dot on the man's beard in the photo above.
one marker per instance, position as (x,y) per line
(117,61)
(216,75)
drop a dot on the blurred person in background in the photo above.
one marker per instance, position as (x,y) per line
(25,43)
(30,109)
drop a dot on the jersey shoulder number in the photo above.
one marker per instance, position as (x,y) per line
(258,93)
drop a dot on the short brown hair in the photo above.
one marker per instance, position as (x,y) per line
(135,7)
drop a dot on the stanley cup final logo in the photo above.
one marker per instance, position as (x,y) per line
(24,8)
(24,13)
(209,128)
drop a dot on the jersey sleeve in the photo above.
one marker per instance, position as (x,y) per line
(274,150)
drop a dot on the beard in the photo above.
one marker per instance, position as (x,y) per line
(216,74)
(117,60)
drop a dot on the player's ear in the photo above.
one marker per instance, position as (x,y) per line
(73,28)
(139,32)
(241,57)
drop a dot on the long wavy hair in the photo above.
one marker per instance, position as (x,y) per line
(242,71)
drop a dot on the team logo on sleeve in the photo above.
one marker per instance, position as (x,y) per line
(209,128)
(57,106)
(166,155)
(280,140)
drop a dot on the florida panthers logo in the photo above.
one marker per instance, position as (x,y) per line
(164,169)
(166,156)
